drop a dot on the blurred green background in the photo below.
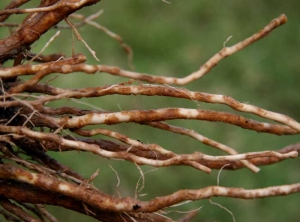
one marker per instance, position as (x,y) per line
(174,40)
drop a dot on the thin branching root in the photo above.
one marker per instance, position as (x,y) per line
(30,127)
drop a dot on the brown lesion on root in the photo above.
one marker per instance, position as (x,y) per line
(33,27)
(27,193)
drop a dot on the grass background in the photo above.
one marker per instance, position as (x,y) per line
(174,40)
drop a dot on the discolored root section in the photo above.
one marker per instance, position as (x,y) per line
(30,127)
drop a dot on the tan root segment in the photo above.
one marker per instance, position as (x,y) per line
(29,125)
(106,202)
